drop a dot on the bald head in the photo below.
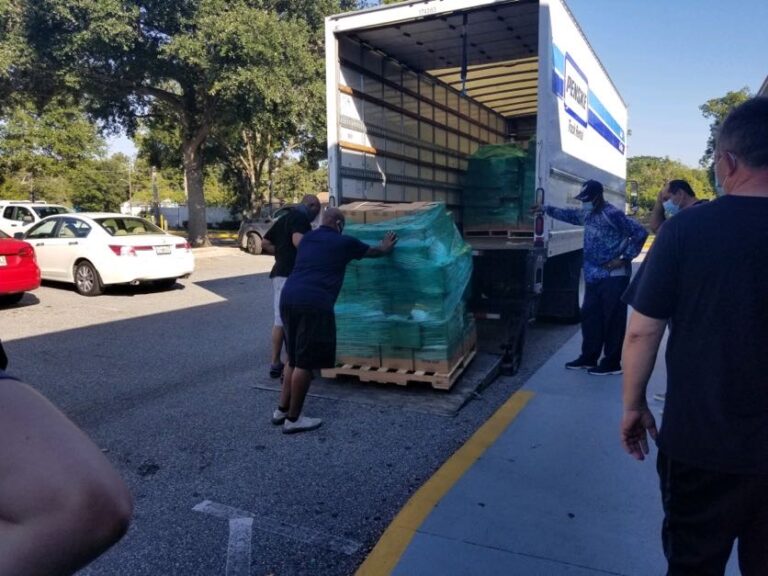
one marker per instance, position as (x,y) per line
(332,216)
(313,205)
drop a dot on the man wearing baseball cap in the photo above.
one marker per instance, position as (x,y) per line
(611,242)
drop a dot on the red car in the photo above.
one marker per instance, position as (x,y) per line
(18,269)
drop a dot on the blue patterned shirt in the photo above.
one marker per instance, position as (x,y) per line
(608,234)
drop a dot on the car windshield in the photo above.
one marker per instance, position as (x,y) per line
(128,226)
(44,211)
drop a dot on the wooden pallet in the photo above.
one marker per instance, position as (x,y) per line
(497,233)
(402,377)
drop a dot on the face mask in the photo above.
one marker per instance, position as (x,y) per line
(719,190)
(719,186)
(671,208)
(587,206)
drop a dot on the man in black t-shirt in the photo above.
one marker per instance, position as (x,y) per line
(707,276)
(281,240)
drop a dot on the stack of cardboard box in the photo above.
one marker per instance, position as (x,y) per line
(406,311)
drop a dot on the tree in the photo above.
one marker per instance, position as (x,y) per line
(100,186)
(293,180)
(40,145)
(201,63)
(716,110)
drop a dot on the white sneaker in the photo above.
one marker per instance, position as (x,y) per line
(278,417)
(303,424)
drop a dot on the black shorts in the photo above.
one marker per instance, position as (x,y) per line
(310,337)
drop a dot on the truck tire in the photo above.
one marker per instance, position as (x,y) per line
(253,244)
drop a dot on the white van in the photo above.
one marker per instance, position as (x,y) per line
(20,215)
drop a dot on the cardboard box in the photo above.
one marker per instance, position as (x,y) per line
(360,356)
(360,212)
(397,358)
(404,333)
(374,212)
(438,359)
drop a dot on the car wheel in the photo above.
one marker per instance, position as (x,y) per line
(87,280)
(253,245)
(8,299)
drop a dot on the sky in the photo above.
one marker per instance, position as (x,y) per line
(667,58)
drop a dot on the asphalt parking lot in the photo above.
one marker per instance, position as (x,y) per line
(171,386)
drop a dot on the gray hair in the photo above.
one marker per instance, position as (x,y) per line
(744,133)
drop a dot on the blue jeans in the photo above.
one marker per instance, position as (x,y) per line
(604,321)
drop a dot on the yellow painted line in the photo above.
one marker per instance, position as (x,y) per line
(393,543)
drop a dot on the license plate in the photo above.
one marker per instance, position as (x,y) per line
(2,261)
(162,249)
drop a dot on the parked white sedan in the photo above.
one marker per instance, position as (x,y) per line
(93,250)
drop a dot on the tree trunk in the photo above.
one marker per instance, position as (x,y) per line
(197,227)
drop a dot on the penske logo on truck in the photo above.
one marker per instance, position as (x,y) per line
(576,92)
(585,110)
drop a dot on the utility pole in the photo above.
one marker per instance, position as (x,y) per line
(155,198)
(130,188)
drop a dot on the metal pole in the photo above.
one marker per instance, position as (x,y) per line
(130,188)
(155,198)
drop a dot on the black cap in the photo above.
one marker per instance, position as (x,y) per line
(590,190)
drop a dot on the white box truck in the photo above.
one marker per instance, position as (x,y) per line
(415,88)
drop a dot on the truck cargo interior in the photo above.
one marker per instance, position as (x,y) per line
(428,93)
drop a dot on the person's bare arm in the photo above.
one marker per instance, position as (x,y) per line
(61,502)
(641,345)
(385,246)
(296,238)
(657,213)
(267,247)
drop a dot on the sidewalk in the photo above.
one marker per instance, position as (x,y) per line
(544,488)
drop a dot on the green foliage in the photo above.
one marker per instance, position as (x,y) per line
(652,172)
(45,140)
(294,180)
(42,149)
(99,185)
(715,110)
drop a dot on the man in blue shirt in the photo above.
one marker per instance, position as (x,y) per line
(306,308)
(611,241)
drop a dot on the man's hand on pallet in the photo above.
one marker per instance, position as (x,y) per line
(388,242)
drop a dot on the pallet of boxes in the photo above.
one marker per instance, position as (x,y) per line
(402,318)
(499,191)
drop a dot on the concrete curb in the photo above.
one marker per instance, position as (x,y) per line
(213,251)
